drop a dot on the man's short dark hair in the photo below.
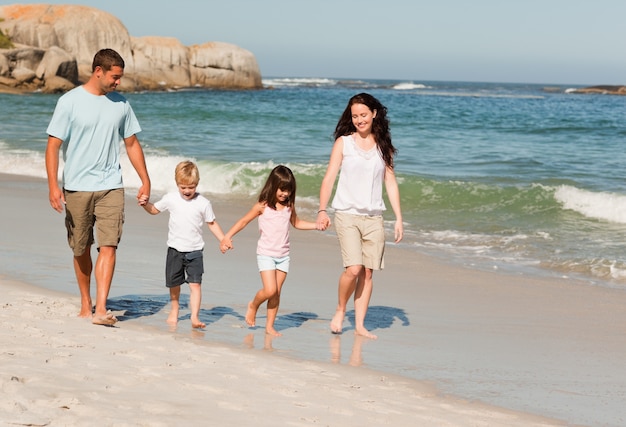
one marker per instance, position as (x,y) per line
(106,59)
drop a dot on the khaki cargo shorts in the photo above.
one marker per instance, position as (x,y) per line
(85,210)
(362,240)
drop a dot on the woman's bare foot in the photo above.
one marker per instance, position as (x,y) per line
(172,319)
(107,320)
(251,315)
(336,324)
(196,323)
(365,333)
(273,332)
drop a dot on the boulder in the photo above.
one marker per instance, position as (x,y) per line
(5,69)
(60,41)
(57,84)
(218,64)
(160,62)
(603,89)
(80,30)
(23,75)
(57,62)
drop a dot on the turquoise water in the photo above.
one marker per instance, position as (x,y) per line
(510,176)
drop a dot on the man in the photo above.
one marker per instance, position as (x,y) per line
(89,123)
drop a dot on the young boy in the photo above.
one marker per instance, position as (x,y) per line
(189,211)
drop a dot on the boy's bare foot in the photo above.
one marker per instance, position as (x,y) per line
(196,323)
(172,319)
(273,332)
(365,333)
(251,315)
(336,324)
(107,320)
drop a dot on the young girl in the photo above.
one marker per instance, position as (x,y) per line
(275,211)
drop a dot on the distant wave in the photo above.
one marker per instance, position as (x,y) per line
(604,206)
(304,81)
(410,86)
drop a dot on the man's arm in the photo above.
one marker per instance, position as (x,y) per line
(55,195)
(137,159)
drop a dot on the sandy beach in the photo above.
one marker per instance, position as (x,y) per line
(456,347)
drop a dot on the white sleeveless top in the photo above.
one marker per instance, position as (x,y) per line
(360,186)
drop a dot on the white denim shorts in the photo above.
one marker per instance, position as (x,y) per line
(267,262)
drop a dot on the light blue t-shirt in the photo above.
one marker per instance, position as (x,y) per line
(92,129)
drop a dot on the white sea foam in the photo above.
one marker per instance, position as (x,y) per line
(22,162)
(599,205)
(409,86)
(303,81)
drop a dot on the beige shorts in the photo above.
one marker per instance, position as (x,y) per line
(85,210)
(362,240)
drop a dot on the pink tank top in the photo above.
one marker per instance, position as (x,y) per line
(274,229)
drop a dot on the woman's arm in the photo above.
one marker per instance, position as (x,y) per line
(334,164)
(391,185)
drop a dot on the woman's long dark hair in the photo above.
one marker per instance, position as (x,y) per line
(380,125)
(280,178)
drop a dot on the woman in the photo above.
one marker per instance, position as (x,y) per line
(364,153)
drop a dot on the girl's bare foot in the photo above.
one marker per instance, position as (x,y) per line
(365,333)
(336,324)
(273,332)
(251,315)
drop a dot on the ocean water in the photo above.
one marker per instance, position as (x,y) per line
(521,177)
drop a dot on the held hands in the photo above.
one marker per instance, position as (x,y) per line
(226,244)
(142,199)
(323,221)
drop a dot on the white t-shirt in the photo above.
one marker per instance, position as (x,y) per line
(360,187)
(187,219)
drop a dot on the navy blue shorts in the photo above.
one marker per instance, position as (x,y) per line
(181,267)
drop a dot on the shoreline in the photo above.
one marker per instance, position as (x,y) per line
(533,344)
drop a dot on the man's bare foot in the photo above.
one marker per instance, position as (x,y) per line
(273,332)
(365,333)
(86,310)
(196,323)
(251,315)
(336,324)
(107,320)
(172,319)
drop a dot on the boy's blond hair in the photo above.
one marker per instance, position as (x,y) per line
(187,173)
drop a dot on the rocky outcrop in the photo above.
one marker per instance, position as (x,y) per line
(55,44)
(602,89)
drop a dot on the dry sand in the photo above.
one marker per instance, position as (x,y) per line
(58,370)
(541,346)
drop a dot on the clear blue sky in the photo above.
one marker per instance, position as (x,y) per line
(530,41)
